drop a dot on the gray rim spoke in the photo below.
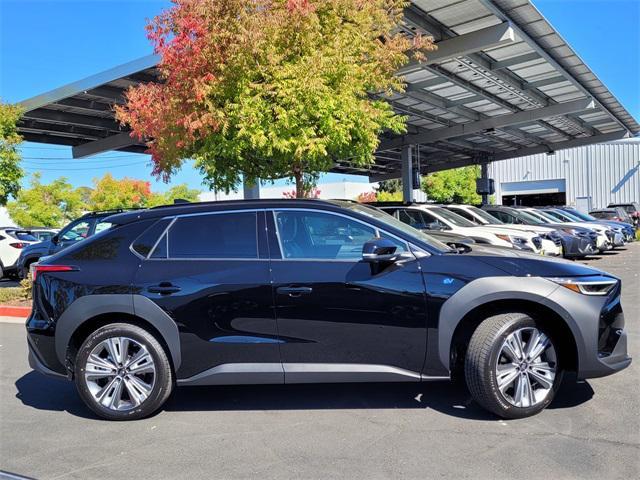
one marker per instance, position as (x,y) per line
(525,370)
(120,373)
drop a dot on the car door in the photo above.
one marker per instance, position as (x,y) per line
(337,320)
(210,273)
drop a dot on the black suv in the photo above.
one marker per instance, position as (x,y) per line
(301,291)
(82,228)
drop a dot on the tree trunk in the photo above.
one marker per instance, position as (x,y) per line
(299,183)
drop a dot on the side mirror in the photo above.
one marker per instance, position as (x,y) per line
(55,239)
(379,250)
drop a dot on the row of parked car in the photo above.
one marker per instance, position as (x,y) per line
(555,231)
(22,247)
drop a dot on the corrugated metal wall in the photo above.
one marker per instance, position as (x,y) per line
(608,172)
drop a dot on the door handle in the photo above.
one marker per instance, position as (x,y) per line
(294,291)
(164,288)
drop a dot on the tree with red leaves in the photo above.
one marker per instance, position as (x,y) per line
(267,89)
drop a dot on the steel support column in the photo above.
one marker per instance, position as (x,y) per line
(407,173)
(484,174)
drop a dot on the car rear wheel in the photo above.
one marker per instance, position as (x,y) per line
(511,366)
(122,372)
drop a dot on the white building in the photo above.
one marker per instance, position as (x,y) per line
(336,190)
(588,177)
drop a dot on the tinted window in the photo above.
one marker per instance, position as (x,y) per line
(25,236)
(314,235)
(225,235)
(465,214)
(145,242)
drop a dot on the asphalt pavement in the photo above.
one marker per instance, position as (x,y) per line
(591,431)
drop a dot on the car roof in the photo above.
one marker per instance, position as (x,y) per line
(213,206)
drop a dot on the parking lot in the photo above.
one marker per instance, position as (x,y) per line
(592,430)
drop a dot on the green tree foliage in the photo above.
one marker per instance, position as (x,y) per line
(390,186)
(453,186)
(10,172)
(109,193)
(178,192)
(51,205)
(382,196)
(271,89)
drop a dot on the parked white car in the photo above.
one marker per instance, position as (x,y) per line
(435,217)
(12,241)
(551,238)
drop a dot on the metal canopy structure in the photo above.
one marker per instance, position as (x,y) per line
(502,84)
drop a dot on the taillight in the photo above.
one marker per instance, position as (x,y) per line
(18,245)
(51,268)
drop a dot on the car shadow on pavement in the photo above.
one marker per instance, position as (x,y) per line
(450,398)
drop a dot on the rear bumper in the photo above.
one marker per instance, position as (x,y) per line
(37,364)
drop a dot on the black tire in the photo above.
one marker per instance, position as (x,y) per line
(482,357)
(163,383)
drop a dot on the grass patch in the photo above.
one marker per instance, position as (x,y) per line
(11,294)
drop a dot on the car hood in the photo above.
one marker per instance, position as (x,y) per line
(522,264)
(507,230)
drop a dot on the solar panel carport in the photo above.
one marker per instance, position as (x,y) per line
(502,84)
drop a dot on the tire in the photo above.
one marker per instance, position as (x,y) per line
(123,394)
(487,352)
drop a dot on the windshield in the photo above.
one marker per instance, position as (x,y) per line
(580,215)
(553,215)
(530,219)
(549,217)
(490,219)
(568,215)
(451,217)
(373,212)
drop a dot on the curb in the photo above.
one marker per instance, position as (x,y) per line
(12,311)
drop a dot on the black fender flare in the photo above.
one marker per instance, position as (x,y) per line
(487,290)
(90,306)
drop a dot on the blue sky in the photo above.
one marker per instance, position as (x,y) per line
(48,43)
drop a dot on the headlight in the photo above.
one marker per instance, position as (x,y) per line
(519,241)
(596,285)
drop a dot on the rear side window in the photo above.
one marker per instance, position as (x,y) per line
(145,242)
(223,235)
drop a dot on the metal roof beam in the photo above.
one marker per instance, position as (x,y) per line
(57,116)
(114,142)
(494,36)
(498,12)
(91,82)
(490,123)
(576,142)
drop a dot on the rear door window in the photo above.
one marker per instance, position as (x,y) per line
(230,235)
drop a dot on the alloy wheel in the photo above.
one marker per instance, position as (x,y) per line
(526,367)
(120,373)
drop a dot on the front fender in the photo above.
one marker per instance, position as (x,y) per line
(569,305)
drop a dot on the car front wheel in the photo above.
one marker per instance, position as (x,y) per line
(122,372)
(511,366)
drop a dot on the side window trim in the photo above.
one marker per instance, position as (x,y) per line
(163,235)
(328,212)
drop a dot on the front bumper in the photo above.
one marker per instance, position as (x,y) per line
(577,246)
(597,325)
